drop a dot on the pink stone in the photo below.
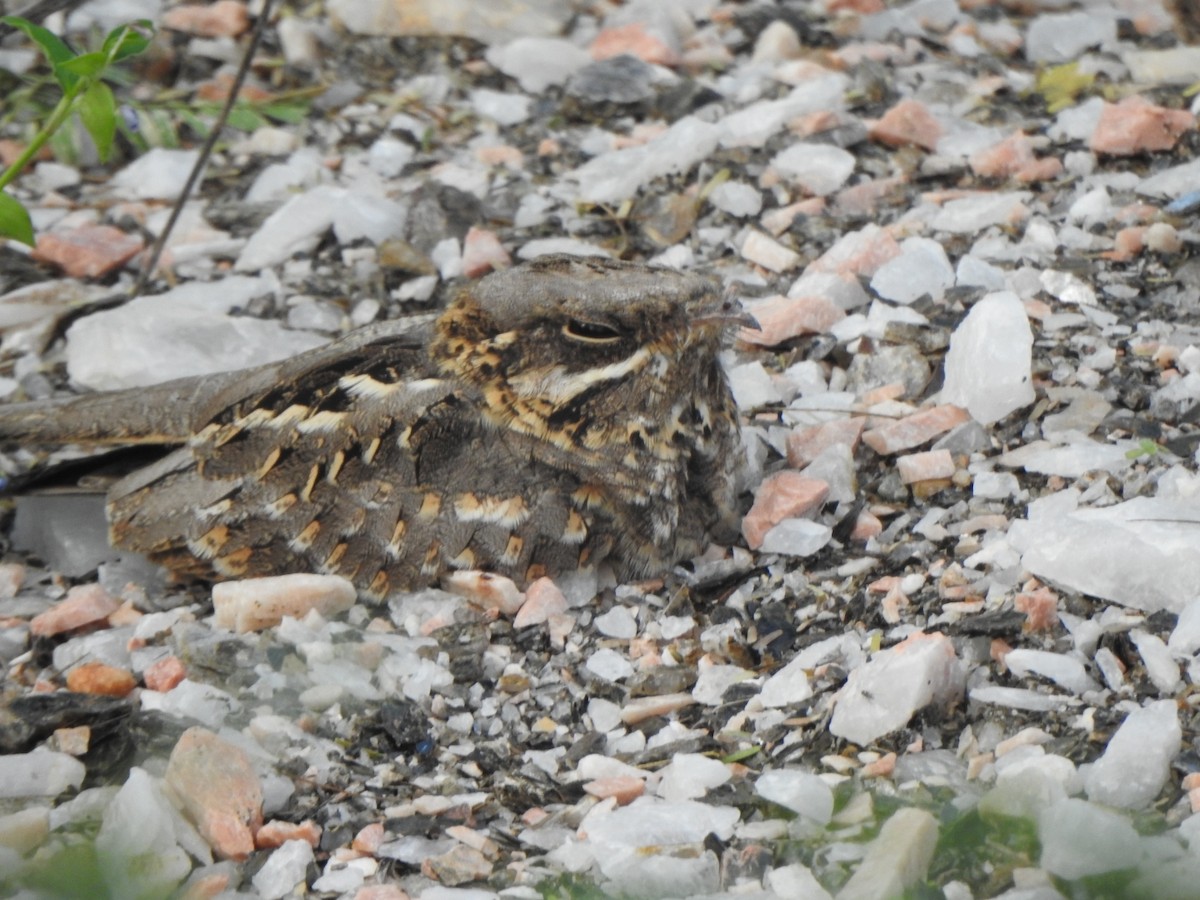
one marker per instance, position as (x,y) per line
(784,495)
(23,831)
(253,604)
(486,590)
(560,627)
(369,838)
(218,790)
(814,122)
(927,466)
(74,741)
(381,892)
(642,708)
(85,604)
(12,576)
(884,585)
(914,430)
(767,252)
(806,443)
(475,839)
(782,318)
(543,599)
(863,199)
(848,56)
(857,253)
(880,768)
(634,40)
(91,251)
(164,674)
(862,7)
(206,887)
(882,394)
(1127,243)
(936,638)
(100,678)
(1136,213)
(780,219)
(483,252)
(1040,607)
(866,526)
(535,815)
(224,18)
(1136,125)
(125,614)
(276,833)
(1013,157)
(625,788)
(1037,309)
(1003,159)
(1045,169)
(908,122)
(501,155)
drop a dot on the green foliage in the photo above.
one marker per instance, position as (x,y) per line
(84,93)
(1061,85)
(1145,447)
(739,755)
(571,887)
(14,220)
(982,851)
(72,870)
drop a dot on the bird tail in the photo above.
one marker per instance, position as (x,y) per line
(171,412)
(160,414)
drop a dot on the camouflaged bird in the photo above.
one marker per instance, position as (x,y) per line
(1187,19)
(557,414)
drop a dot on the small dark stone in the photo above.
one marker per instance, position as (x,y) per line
(403,722)
(28,719)
(621,79)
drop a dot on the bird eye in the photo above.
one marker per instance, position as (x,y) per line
(591,332)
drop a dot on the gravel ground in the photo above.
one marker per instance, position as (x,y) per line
(953,655)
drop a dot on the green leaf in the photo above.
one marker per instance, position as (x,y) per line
(739,755)
(52,45)
(128,40)
(245,119)
(14,220)
(98,110)
(64,147)
(1145,447)
(55,50)
(89,65)
(287,113)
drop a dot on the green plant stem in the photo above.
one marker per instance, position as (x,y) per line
(61,113)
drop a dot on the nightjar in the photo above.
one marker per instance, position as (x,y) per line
(558,414)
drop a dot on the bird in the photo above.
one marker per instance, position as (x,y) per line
(558,414)
(1187,19)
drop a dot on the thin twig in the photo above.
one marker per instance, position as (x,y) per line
(151,262)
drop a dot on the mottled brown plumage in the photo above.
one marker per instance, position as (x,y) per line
(557,414)
(1187,19)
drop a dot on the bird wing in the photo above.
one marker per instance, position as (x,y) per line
(358,459)
(171,412)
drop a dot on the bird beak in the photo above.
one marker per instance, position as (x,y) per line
(725,313)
